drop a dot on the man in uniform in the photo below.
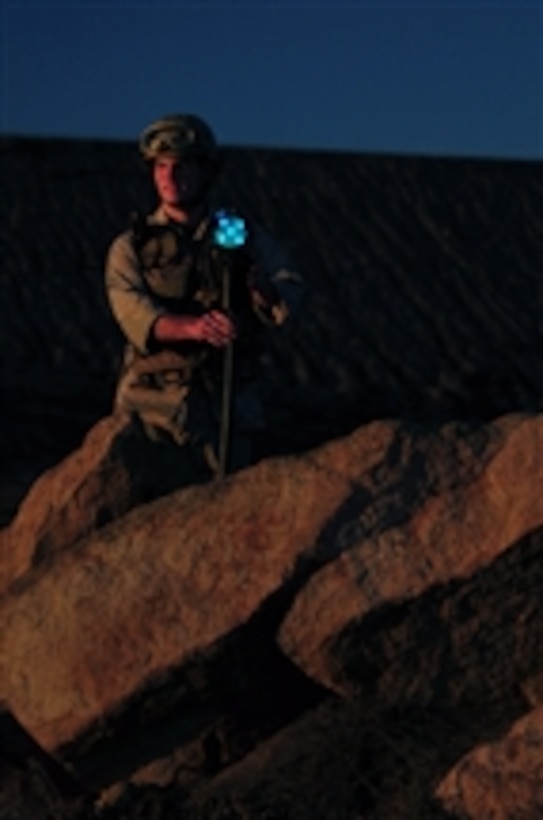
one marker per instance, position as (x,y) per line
(192,288)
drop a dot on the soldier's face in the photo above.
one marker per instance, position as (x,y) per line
(179,182)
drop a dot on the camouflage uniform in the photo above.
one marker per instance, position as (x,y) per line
(176,390)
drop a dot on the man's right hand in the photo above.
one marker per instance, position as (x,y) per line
(215,328)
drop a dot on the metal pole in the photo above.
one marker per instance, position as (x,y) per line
(227,380)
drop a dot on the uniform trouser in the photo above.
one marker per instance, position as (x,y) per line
(189,414)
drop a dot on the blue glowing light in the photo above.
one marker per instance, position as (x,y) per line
(230,230)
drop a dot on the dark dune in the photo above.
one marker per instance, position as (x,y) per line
(424,280)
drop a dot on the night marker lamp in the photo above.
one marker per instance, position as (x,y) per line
(230,230)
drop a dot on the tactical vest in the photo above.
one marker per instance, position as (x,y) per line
(185,270)
(178,388)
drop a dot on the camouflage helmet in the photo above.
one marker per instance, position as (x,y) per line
(178,135)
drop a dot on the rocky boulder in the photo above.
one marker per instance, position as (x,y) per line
(115,469)
(376,600)
(446,604)
(503,779)
(140,597)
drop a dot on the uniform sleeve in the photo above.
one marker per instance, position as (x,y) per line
(275,268)
(131,303)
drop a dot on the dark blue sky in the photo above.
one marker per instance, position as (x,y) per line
(448,78)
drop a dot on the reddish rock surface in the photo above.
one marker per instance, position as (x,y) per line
(114,470)
(343,628)
(167,620)
(170,579)
(500,780)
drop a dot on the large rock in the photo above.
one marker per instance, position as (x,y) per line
(446,602)
(67,501)
(500,780)
(150,645)
(115,469)
(144,595)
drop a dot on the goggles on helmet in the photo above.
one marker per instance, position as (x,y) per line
(178,136)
